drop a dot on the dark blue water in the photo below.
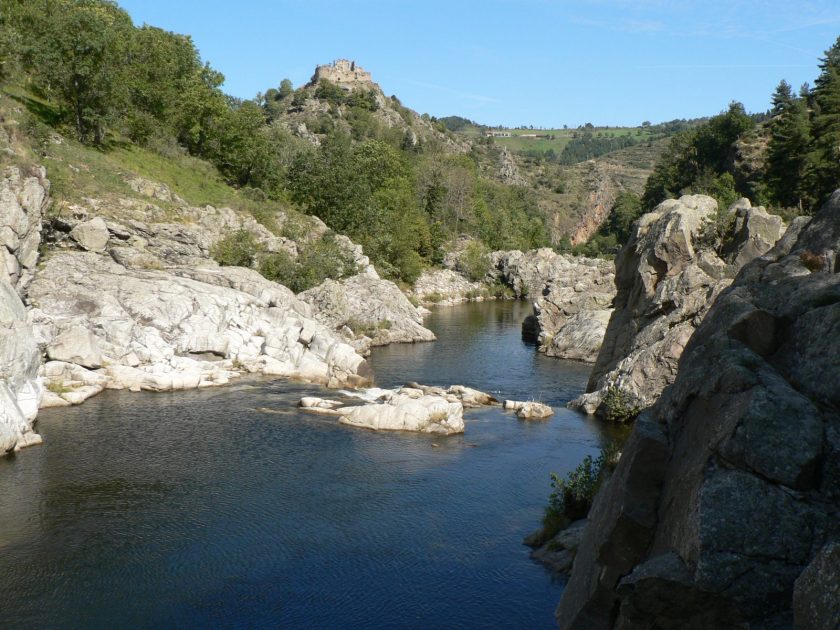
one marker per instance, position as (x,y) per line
(193,509)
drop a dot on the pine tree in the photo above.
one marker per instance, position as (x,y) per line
(781,97)
(825,155)
(787,160)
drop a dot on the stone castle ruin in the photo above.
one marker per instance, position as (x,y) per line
(342,72)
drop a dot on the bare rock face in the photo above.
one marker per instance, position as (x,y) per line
(369,310)
(181,327)
(666,280)
(724,510)
(20,387)
(572,298)
(445,287)
(22,200)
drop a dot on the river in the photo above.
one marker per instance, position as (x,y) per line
(194,509)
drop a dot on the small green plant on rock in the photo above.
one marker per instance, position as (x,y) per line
(239,249)
(619,406)
(476,260)
(571,498)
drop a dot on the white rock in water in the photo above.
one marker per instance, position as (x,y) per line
(427,414)
(529,410)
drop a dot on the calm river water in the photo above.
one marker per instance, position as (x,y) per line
(193,509)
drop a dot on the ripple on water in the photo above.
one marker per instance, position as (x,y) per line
(199,508)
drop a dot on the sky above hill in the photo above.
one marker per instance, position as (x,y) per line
(514,62)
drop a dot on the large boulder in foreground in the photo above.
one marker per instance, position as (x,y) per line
(369,310)
(724,510)
(667,278)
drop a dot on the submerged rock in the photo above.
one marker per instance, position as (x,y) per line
(558,552)
(723,510)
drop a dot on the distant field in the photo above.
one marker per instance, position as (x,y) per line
(561,137)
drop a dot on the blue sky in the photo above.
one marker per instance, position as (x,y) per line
(512,62)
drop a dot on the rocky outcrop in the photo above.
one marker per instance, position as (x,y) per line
(367,310)
(446,287)
(572,298)
(508,170)
(724,510)
(22,201)
(667,278)
(413,407)
(181,327)
(558,552)
(23,198)
(20,387)
(571,314)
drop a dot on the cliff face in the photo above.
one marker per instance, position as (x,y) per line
(22,200)
(724,510)
(667,277)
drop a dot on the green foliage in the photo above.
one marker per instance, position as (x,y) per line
(695,157)
(572,497)
(824,156)
(239,249)
(587,147)
(619,406)
(369,329)
(475,261)
(787,156)
(317,261)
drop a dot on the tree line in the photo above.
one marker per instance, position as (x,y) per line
(797,172)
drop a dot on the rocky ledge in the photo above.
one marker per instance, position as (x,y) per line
(367,311)
(723,509)
(667,277)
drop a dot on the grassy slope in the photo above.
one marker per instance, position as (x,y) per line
(78,172)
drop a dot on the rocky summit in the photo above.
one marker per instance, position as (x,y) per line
(723,510)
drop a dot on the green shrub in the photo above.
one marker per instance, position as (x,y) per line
(368,329)
(501,291)
(239,249)
(434,298)
(572,497)
(475,260)
(318,261)
(619,406)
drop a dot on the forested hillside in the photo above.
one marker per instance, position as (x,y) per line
(396,182)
